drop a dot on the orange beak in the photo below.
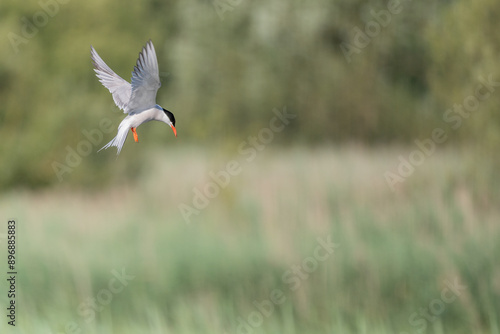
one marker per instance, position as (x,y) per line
(175,131)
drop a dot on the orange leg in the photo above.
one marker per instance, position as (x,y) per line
(136,137)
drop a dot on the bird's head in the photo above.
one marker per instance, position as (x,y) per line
(171,119)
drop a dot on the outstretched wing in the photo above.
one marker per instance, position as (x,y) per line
(118,87)
(145,80)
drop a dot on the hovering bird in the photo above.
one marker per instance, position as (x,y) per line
(138,99)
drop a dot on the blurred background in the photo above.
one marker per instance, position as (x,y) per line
(391,155)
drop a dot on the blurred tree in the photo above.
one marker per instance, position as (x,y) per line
(465,49)
(224,72)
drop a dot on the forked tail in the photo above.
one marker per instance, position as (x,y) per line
(119,140)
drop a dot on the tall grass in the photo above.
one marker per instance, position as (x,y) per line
(396,250)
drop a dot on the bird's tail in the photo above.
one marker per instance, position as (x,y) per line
(119,140)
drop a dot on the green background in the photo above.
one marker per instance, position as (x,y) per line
(359,163)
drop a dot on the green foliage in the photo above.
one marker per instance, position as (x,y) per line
(468,53)
(223,71)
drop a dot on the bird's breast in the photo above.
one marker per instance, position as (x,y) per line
(143,117)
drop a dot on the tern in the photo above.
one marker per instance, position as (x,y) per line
(137,99)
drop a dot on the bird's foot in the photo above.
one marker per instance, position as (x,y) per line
(136,137)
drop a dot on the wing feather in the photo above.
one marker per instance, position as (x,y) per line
(120,89)
(145,80)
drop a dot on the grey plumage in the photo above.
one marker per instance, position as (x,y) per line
(137,99)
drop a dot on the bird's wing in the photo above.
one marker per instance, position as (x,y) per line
(118,87)
(145,80)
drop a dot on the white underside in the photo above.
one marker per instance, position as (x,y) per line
(133,120)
